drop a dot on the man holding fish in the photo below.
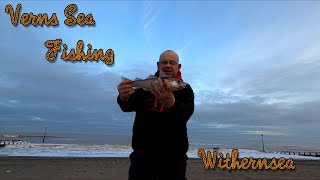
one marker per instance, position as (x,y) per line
(163,104)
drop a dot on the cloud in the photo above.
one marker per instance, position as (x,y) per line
(269,133)
(150,16)
(181,51)
(279,91)
(253,111)
(263,79)
(38,119)
(35,93)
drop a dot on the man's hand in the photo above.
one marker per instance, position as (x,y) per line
(125,90)
(163,92)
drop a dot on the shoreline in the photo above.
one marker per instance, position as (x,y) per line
(24,167)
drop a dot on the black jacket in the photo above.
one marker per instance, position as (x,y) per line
(160,132)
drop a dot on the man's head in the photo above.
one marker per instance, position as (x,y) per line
(169,63)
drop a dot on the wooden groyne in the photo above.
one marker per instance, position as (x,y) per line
(13,142)
(314,154)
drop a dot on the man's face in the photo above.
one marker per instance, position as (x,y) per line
(169,64)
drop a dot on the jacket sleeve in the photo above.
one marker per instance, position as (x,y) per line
(130,105)
(183,107)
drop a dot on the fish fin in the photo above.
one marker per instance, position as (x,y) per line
(162,74)
(137,79)
(124,78)
(151,77)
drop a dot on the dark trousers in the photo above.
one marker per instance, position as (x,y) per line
(145,167)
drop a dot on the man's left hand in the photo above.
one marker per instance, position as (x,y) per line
(163,92)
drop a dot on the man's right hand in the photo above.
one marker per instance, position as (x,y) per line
(125,90)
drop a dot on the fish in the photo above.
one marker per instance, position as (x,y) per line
(176,84)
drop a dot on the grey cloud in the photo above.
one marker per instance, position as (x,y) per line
(283,95)
(35,93)
(253,112)
(289,77)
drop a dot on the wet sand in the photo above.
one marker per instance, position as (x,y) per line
(117,168)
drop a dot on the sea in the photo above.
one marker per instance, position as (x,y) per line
(89,145)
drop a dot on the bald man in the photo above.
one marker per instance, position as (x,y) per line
(159,140)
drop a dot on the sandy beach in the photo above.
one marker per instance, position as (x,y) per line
(117,168)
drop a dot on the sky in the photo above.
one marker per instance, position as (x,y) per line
(254,68)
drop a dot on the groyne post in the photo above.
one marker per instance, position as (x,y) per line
(44,135)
